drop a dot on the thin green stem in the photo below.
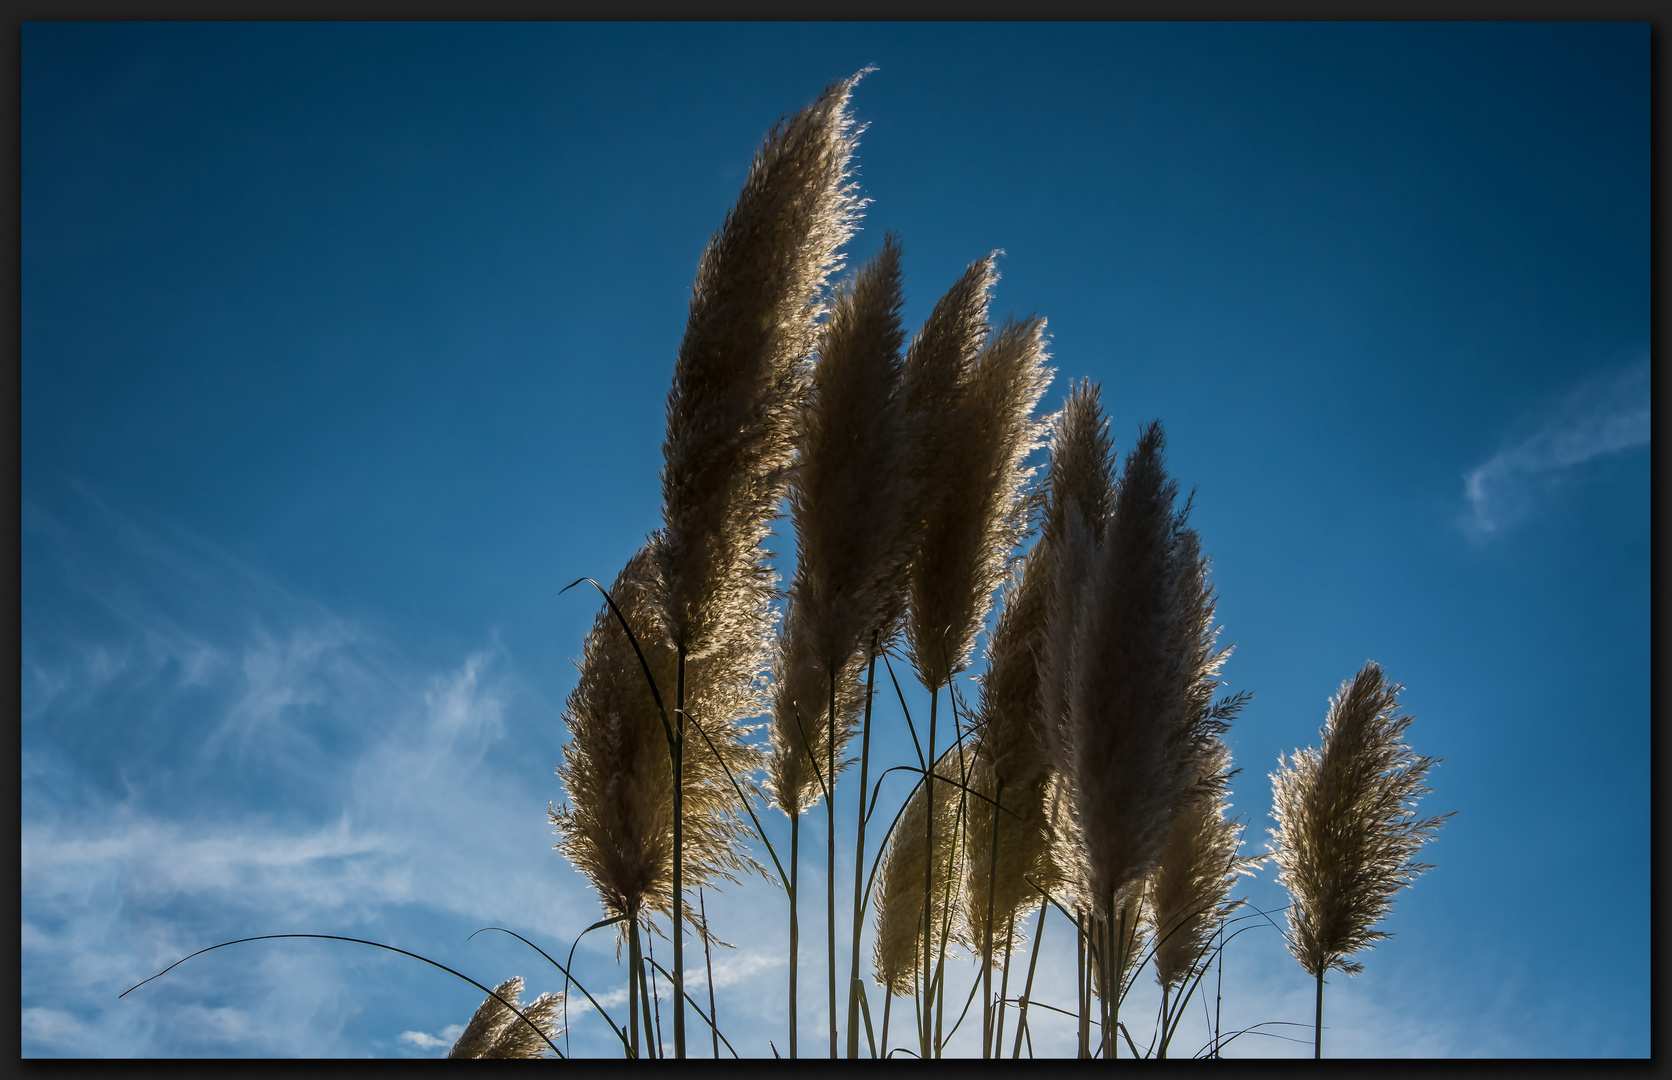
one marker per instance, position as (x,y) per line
(830,859)
(1004,986)
(1103,934)
(679,870)
(708,965)
(1318,1021)
(859,856)
(929,875)
(795,925)
(655,993)
(652,1047)
(987,1017)
(887,1006)
(1219,992)
(1080,978)
(1161,1051)
(1116,962)
(632,987)
(1027,989)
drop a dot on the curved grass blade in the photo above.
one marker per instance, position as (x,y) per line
(1255,1031)
(357,941)
(619,1034)
(697,1008)
(667,729)
(967,1002)
(1032,1004)
(824,788)
(902,696)
(570,960)
(760,830)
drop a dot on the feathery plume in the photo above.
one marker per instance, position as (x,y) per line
(739,379)
(1006,848)
(851,494)
(1129,722)
(977,512)
(1079,497)
(1198,862)
(899,950)
(497,1032)
(800,729)
(1081,469)
(1347,832)
(1189,891)
(618,827)
(852,485)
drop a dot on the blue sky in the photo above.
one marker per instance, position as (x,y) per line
(345,347)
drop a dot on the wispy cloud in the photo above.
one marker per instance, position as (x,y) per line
(1602,416)
(206,757)
(423,1041)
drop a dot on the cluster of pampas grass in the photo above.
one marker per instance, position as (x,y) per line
(1092,776)
(851,498)
(1347,829)
(738,386)
(1014,755)
(497,1032)
(910,933)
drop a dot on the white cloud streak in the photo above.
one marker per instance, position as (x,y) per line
(1602,416)
(423,1041)
(118,883)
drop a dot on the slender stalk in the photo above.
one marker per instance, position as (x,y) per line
(940,1006)
(1105,961)
(633,969)
(1081,976)
(708,965)
(795,924)
(1318,1022)
(652,1045)
(1027,989)
(655,995)
(1115,954)
(1004,987)
(1219,992)
(887,1005)
(830,859)
(679,872)
(929,876)
(987,952)
(1161,1053)
(859,857)
(957,841)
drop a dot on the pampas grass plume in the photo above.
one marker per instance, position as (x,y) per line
(1012,764)
(1128,713)
(497,1032)
(1347,832)
(739,378)
(617,827)
(978,512)
(851,496)
(899,950)
(1189,891)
